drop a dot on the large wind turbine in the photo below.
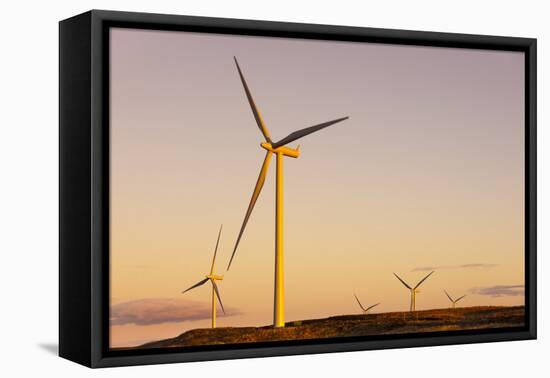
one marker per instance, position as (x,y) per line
(453,301)
(280,150)
(365,310)
(212,278)
(414,290)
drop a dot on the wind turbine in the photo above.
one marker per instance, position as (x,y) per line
(414,290)
(212,278)
(453,301)
(280,150)
(365,310)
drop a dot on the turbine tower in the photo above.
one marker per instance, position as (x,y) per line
(212,278)
(365,310)
(280,150)
(414,290)
(453,301)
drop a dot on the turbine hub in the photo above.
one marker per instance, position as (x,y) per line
(286,151)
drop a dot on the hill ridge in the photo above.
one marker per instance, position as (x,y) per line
(434,320)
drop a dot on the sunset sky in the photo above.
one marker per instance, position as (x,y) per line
(427,173)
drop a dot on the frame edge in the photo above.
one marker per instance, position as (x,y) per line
(75,335)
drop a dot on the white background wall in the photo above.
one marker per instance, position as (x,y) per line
(29,185)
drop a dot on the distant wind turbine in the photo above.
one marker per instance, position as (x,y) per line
(365,310)
(212,278)
(414,290)
(453,301)
(280,149)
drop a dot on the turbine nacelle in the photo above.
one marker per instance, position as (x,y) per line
(214,277)
(287,151)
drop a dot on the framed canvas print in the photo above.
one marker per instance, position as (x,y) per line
(234,188)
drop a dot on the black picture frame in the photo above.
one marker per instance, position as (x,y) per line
(84,186)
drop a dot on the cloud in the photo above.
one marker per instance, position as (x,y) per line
(482,266)
(426,268)
(500,290)
(463,266)
(162,310)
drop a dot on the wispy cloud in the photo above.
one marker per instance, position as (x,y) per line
(463,266)
(500,290)
(426,268)
(481,266)
(162,310)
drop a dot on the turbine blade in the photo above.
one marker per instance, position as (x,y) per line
(460,298)
(373,306)
(253,199)
(303,132)
(218,294)
(216,250)
(424,279)
(200,283)
(358,301)
(448,296)
(403,282)
(253,106)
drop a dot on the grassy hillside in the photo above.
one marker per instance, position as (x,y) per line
(355,325)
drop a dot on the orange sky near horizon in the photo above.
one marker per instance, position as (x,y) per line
(428,172)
